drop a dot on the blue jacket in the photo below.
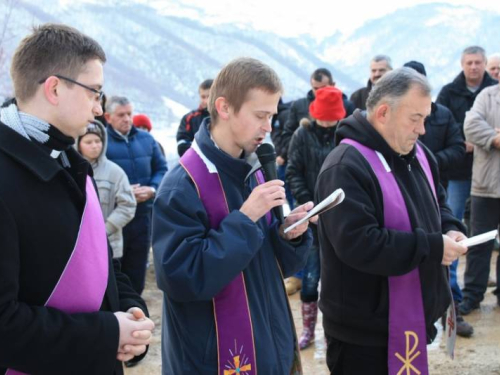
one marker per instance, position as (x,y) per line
(193,263)
(140,158)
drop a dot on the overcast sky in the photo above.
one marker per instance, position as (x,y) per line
(319,18)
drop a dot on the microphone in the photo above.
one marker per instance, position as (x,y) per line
(267,158)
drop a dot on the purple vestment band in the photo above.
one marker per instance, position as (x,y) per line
(407,352)
(82,285)
(235,342)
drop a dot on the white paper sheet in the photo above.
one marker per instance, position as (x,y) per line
(480,238)
(329,202)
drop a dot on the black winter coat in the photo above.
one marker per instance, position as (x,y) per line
(41,205)
(359,254)
(188,127)
(358,97)
(309,147)
(444,138)
(459,99)
(278,123)
(298,111)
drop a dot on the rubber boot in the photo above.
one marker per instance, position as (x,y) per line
(309,318)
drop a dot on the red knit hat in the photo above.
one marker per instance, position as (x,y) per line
(142,121)
(328,105)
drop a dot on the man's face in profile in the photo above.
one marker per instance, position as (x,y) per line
(78,105)
(405,122)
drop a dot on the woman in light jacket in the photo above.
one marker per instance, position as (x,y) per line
(117,199)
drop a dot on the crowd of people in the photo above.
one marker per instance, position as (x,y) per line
(86,194)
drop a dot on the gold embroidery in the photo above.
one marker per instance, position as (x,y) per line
(410,357)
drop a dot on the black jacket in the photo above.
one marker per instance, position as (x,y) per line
(278,123)
(444,138)
(359,254)
(188,127)
(309,147)
(298,111)
(358,97)
(459,99)
(41,205)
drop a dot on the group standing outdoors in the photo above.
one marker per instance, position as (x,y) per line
(86,194)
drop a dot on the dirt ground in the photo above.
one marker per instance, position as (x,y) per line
(478,355)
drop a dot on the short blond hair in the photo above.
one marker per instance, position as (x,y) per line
(235,81)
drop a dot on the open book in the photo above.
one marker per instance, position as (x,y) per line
(329,202)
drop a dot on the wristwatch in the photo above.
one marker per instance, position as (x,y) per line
(153,190)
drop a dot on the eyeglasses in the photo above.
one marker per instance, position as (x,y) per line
(99,94)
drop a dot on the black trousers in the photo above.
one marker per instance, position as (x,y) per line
(485,216)
(349,359)
(136,245)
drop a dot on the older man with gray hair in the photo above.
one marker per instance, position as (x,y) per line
(493,65)
(385,249)
(139,155)
(379,65)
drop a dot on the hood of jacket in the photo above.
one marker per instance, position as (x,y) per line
(102,156)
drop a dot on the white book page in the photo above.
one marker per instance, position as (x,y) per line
(326,204)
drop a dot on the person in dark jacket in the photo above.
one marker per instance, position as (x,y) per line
(459,96)
(139,155)
(362,249)
(65,307)
(444,138)
(191,121)
(300,109)
(309,147)
(198,261)
(278,123)
(143,122)
(321,77)
(379,65)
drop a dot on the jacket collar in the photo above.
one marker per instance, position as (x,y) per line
(113,134)
(34,156)
(460,85)
(237,168)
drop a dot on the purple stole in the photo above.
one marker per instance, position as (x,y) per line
(235,342)
(407,352)
(82,284)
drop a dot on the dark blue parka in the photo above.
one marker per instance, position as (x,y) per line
(193,263)
(141,159)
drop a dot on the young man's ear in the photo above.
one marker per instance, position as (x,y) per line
(222,107)
(52,90)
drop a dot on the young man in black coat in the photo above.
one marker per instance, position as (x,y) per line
(362,256)
(58,315)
